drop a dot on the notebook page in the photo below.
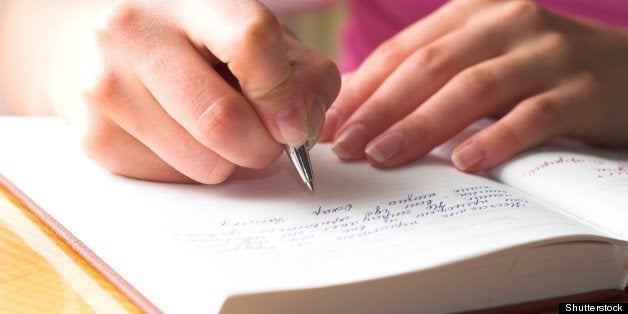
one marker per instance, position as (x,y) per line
(586,182)
(187,247)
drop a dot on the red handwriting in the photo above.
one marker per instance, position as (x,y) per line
(620,170)
(560,160)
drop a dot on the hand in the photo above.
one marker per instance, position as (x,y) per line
(543,75)
(187,90)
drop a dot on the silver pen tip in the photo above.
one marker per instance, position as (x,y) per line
(300,159)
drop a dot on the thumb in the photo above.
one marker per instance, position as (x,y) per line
(248,38)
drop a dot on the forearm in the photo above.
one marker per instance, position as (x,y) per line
(42,52)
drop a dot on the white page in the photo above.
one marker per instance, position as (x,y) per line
(187,247)
(589,183)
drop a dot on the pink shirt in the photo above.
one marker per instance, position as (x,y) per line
(372,21)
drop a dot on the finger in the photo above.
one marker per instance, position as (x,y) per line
(534,121)
(385,59)
(206,105)
(117,151)
(319,82)
(137,112)
(422,74)
(469,95)
(331,122)
(248,38)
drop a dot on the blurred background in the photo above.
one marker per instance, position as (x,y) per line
(319,28)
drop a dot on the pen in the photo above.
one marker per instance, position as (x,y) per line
(300,159)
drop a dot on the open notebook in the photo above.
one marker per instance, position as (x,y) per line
(424,237)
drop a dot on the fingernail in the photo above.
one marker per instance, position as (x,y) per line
(468,156)
(316,121)
(351,141)
(292,126)
(386,146)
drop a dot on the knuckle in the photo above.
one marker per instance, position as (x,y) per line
(217,121)
(427,59)
(424,123)
(480,83)
(121,19)
(261,28)
(518,9)
(546,113)
(391,49)
(103,90)
(505,134)
(378,109)
(470,7)
(590,81)
(464,5)
(419,123)
(559,45)
(556,40)
(415,127)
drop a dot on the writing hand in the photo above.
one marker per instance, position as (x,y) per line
(188,90)
(543,75)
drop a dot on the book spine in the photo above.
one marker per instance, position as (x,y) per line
(623,257)
(81,249)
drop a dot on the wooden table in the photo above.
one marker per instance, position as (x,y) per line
(40,273)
